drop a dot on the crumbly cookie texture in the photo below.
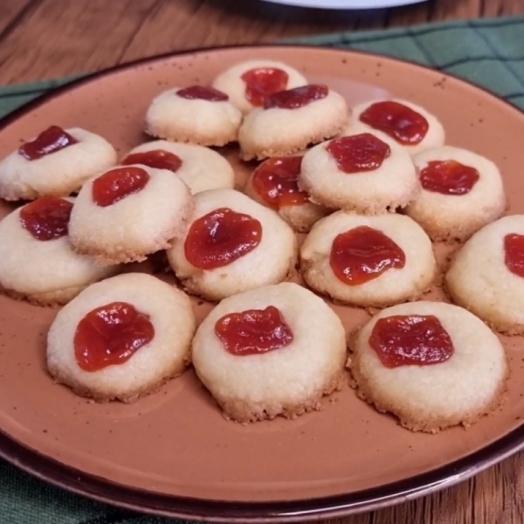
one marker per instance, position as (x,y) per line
(47,273)
(201,169)
(269,262)
(456,217)
(135,226)
(479,279)
(230,81)
(49,299)
(279,132)
(391,186)
(458,391)
(288,381)
(196,121)
(57,174)
(435,135)
(391,287)
(166,356)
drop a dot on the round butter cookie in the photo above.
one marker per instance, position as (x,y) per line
(432,365)
(232,244)
(275,350)
(486,275)
(461,192)
(370,261)
(122,338)
(290,120)
(248,83)
(37,261)
(128,213)
(199,167)
(274,184)
(56,163)
(195,114)
(410,125)
(364,172)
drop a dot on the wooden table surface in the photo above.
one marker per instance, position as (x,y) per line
(42,39)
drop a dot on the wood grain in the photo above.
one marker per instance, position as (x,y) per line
(51,38)
(42,39)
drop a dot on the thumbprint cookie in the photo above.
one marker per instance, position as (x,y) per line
(196,114)
(432,365)
(248,83)
(275,350)
(199,167)
(122,338)
(410,125)
(363,172)
(37,261)
(486,275)
(369,261)
(232,244)
(291,120)
(274,184)
(460,193)
(56,163)
(128,213)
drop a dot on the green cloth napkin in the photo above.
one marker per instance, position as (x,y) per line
(489,53)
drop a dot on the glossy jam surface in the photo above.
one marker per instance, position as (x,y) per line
(221,237)
(202,93)
(46,218)
(448,177)
(275,180)
(296,98)
(397,120)
(263,81)
(253,331)
(157,159)
(49,141)
(514,253)
(110,335)
(363,254)
(358,153)
(118,184)
(407,340)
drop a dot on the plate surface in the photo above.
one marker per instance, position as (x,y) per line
(173,453)
(345,4)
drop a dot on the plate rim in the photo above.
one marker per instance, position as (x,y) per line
(106,491)
(334,4)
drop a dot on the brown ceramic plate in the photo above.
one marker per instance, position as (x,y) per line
(173,453)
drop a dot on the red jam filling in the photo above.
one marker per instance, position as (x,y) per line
(118,184)
(49,141)
(363,254)
(157,159)
(202,93)
(406,340)
(275,180)
(263,81)
(397,120)
(296,98)
(221,237)
(358,153)
(514,253)
(253,331)
(448,177)
(46,218)
(111,335)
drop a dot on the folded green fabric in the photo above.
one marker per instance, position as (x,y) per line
(489,53)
